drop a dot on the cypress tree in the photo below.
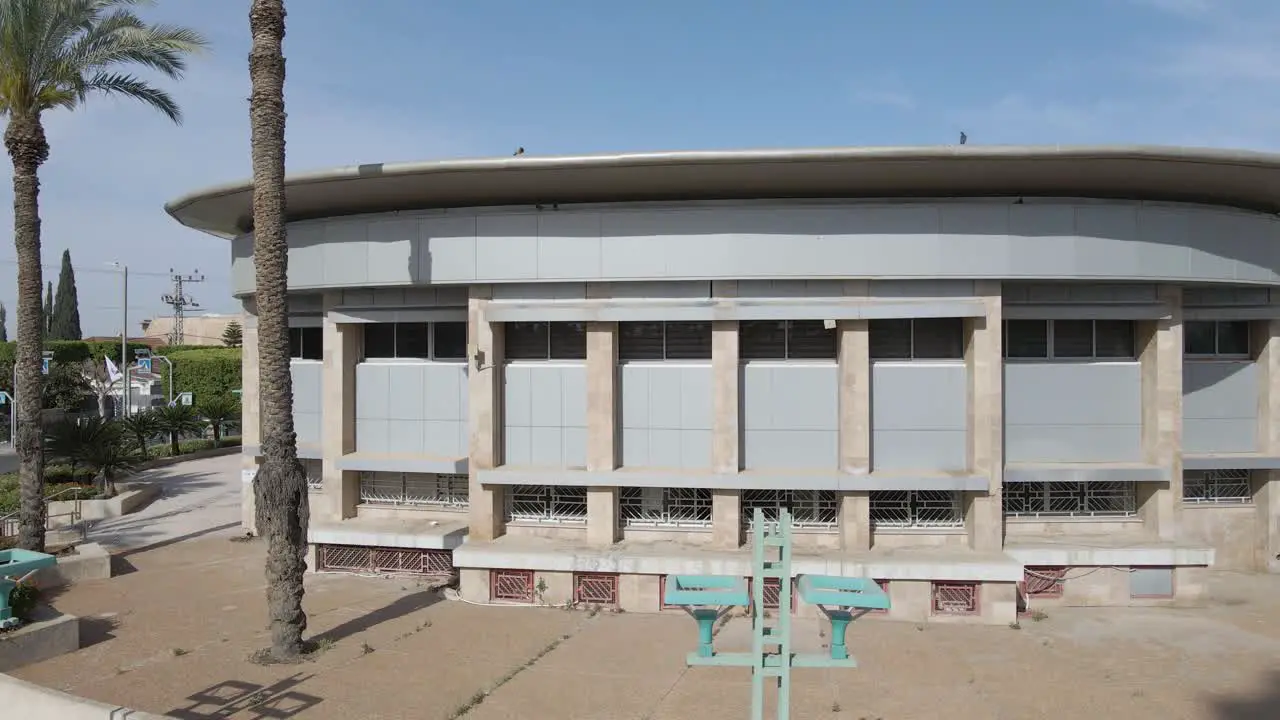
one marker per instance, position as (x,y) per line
(4,317)
(65,324)
(48,308)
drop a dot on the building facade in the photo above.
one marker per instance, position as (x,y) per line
(990,378)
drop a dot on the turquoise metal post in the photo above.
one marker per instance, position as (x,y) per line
(839,623)
(706,618)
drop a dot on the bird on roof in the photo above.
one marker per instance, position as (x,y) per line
(963,138)
(519,151)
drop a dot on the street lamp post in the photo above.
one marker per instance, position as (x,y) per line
(124,339)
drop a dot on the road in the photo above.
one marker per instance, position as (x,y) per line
(199,498)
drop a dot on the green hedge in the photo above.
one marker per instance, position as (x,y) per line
(202,371)
(64,351)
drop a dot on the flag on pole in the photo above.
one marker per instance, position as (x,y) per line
(113,372)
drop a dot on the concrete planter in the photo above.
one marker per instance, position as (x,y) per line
(130,499)
(90,561)
(50,635)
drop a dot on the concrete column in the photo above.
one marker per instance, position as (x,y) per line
(1160,354)
(854,360)
(343,350)
(484,386)
(1266,340)
(602,429)
(726,505)
(984,361)
(250,426)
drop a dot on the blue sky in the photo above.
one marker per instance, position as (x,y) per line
(392,80)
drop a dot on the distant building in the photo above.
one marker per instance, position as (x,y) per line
(203,329)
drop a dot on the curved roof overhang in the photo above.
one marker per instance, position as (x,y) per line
(1234,178)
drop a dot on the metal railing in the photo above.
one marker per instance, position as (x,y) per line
(9,524)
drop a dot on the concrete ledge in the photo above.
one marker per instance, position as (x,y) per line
(1085,472)
(306,451)
(130,499)
(91,561)
(370,462)
(1083,556)
(422,534)
(29,701)
(553,556)
(50,635)
(746,480)
(1230,462)
(703,309)
(198,455)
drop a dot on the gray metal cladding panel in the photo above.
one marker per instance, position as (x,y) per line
(307,383)
(1072,412)
(414,408)
(545,415)
(790,415)
(666,414)
(1219,406)
(1151,582)
(1041,239)
(919,415)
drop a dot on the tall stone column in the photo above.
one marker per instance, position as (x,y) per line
(984,363)
(1160,355)
(602,430)
(726,505)
(1266,339)
(250,426)
(343,349)
(484,387)
(854,348)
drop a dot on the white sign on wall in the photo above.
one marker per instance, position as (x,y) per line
(247,476)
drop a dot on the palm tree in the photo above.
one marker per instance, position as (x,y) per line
(54,54)
(218,411)
(67,441)
(108,453)
(142,426)
(178,421)
(280,487)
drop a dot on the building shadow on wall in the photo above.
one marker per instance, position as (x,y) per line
(1261,706)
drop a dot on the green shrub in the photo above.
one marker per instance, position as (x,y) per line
(22,601)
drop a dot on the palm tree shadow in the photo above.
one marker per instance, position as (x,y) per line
(396,609)
(1261,706)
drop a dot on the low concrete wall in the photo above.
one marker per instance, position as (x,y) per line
(130,499)
(198,455)
(91,561)
(33,702)
(50,635)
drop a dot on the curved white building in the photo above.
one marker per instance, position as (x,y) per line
(987,376)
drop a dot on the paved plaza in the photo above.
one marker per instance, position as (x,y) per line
(172,633)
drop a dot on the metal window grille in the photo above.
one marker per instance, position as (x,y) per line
(786,340)
(916,509)
(595,589)
(511,585)
(772,593)
(665,507)
(917,339)
(1070,499)
(547,504)
(315,474)
(664,341)
(1043,582)
(1217,486)
(951,598)
(810,509)
(441,492)
(1070,339)
(354,558)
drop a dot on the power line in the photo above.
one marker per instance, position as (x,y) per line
(180,301)
(105,271)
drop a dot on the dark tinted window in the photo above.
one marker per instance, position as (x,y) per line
(568,341)
(640,341)
(762,339)
(890,339)
(312,343)
(413,340)
(449,340)
(1114,339)
(1199,337)
(688,341)
(380,340)
(526,341)
(937,338)
(295,342)
(1026,339)
(1233,337)
(1073,338)
(810,340)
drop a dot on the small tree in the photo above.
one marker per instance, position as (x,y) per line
(178,421)
(98,381)
(48,308)
(4,322)
(65,387)
(108,453)
(142,426)
(233,336)
(218,411)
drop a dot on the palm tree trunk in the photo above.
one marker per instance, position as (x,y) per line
(28,148)
(281,484)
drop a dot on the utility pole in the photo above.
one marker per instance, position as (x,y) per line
(124,338)
(180,301)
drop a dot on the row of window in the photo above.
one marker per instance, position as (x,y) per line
(910,339)
(810,509)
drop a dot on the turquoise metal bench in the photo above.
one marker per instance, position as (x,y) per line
(16,565)
(708,597)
